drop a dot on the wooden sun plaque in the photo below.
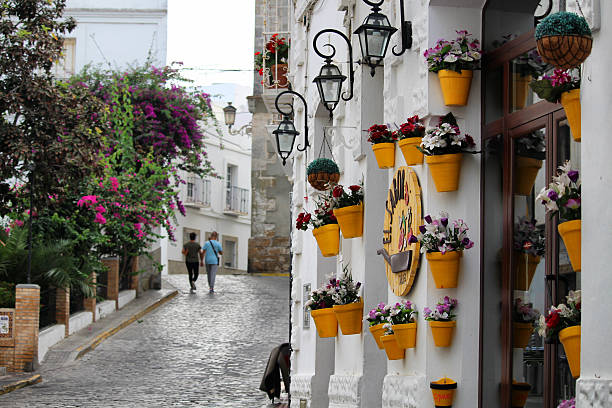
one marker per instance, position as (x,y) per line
(402,218)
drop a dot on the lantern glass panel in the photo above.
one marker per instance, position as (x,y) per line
(329,84)
(229,113)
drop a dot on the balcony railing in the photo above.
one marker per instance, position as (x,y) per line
(237,200)
(198,191)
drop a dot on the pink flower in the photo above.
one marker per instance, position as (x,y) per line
(100,219)
(87,200)
(100,209)
(19,223)
(114,183)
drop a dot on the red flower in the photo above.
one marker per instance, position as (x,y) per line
(257,53)
(307,218)
(354,188)
(300,216)
(338,191)
(332,217)
(553,319)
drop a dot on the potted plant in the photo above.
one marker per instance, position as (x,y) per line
(520,393)
(393,350)
(563,322)
(348,305)
(529,246)
(410,135)
(524,317)
(377,318)
(443,391)
(454,62)
(569,403)
(563,197)
(563,86)
(402,317)
(444,245)
(530,151)
(273,61)
(348,209)
(325,226)
(443,147)
(441,321)
(383,145)
(564,39)
(322,173)
(320,305)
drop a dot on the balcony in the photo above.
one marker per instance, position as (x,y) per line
(198,192)
(237,201)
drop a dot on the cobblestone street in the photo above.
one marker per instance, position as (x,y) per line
(198,350)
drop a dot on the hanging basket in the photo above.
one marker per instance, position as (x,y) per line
(325,321)
(571,232)
(350,317)
(328,239)
(377,332)
(405,335)
(350,220)
(455,86)
(570,338)
(527,169)
(565,51)
(520,392)
(444,268)
(445,170)
(391,348)
(521,333)
(412,155)
(443,392)
(525,266)
(322,173)
(571,104)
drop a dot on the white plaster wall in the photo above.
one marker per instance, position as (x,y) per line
(79,321)
(105,308)
(125,297)
(48,337)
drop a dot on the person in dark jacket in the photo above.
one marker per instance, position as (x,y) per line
(277,363)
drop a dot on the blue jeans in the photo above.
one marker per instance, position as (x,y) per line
(211,272)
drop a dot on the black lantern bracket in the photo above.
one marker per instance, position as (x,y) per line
(406,33)
(376,22)
(288,116)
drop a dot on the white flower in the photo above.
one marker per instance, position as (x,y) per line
(467,57)
(542,326)
(450,58)
(475,54)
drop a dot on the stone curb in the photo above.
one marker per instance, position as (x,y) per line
(20,384)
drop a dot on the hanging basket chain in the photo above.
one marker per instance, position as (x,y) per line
(580,9)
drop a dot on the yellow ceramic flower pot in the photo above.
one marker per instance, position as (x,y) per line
(385,154)
(571,103)
(570,338)
(518,92)
(325,320)
(445,170)
(391,347)
(443,392)
(520,392)
(521,333)
(378,331)
(444,268)
(455,86)
(527,169)
(412,155)
(442,332)
(525,266)
(405,335)
(571,232)
(328,239)
(350,220)
(350,317)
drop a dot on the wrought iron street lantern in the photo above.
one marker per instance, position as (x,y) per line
(286,133)
(374,35)
(229,112)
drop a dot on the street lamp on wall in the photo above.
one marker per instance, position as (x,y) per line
(286,133)
(229,114)
(374,35)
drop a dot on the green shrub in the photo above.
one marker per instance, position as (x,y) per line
(322,165)
(562,23)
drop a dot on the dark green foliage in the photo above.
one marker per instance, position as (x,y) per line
(562,23)
(322,165)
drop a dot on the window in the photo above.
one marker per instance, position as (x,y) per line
(64,68)
(230,245)
(190,188)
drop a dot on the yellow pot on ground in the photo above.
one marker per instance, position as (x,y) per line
(385,154)
(350,220)
(350,317)
(571,232)
(571,103)
(325,321)
(405,335)
(455,86)
(378,331)
(443,391)
(570,338)
(527,169)
(412,155)
(525,266)
(520,392)
(519,90)
(445,170)
(328,239)
(444,268)
(442,332)
(521,333)
(391,348)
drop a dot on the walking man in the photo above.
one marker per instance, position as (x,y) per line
(192,251)
(212,250)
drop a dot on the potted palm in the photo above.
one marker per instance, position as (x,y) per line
(443,147)
(410,135)
(383,145)
(444,245)
(402,317)
(441,321)
(273,62)
(348,305)
(529,246)
(564,39)
(323,173)
(562,197)
(320,305)
(348,209)
(325,226)
(454,61)
(376,319)
(524,317)
(530,152)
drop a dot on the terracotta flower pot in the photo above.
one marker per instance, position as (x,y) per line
(527,169)
(443,391)
(525,266)
(325,321)
(391,348)
(279,75)
(444,268)
(385,154)
(442,332)
(350,317)
(571,232)
(521,333)
(377,332)
(445,170)
(455,86)
(570,338)
(412,155)
(350,220)
(328,239)
(405,335)
(520,392)
(571,104)
(519,90)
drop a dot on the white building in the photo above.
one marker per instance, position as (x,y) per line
(350,371)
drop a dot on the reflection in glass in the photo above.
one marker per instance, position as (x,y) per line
(524,69)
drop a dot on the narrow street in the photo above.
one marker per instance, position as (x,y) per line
(198,350)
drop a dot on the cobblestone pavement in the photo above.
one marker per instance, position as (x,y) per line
(198,350)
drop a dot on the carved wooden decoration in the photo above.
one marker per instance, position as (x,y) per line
(402,217)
